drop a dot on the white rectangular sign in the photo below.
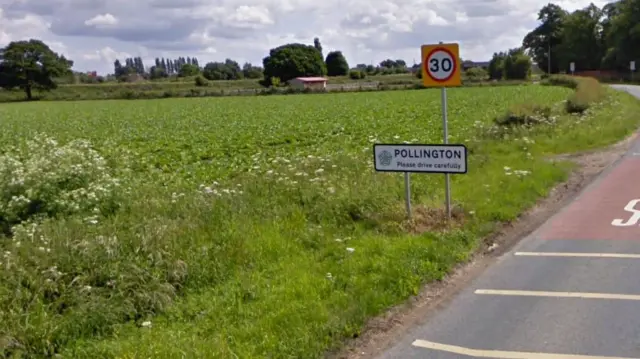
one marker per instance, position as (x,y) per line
(632,65)
(420,158)
(572,67)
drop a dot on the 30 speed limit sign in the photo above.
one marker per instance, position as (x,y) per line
(441,65)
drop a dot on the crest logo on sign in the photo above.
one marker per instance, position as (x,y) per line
(385,158)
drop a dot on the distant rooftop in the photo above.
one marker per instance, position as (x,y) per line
(311,79)
(475,63)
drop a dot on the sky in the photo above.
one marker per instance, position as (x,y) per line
(93,33)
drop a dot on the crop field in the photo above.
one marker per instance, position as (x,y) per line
(251,227)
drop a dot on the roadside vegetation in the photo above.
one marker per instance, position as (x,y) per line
(263,230)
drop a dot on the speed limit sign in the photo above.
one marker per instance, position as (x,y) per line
(440,65)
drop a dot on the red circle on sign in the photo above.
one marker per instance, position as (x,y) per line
(453,58)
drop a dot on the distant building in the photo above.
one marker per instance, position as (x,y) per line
(471,64)
(312,83)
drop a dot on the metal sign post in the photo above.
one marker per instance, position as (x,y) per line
(407,193)
(445,134)
(441,68)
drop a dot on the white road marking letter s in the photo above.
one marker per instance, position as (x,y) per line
(635,217)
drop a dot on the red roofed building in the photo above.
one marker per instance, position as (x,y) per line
(313,83)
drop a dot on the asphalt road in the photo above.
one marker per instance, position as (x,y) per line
(569,290)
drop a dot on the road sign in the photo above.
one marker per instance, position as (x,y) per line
(572,67)
(632,65)
(420,158)
(441,65)
(425,158)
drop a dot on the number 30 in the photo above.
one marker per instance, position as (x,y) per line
(444,64)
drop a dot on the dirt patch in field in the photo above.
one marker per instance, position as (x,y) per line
(426,219)
(384,331)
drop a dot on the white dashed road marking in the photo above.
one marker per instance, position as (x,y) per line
(500,354)
(532,293)
(586,255)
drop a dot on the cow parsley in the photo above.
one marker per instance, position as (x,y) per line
(42,178)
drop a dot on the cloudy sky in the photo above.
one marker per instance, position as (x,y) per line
(94,33)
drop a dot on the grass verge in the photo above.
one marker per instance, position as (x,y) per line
(256,266)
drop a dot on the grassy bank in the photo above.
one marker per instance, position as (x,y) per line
(256,227)
(186,87)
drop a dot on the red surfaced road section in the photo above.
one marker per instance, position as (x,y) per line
(591,215)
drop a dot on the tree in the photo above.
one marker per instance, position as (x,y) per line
(157,72)
(234,70)
(581,40)
(496,66)
(476,74)
(517,65)
(293,60)
(117,68)
(542,43)
(318,46)
(30,65)
(227,70)
(622,34)
(336,64)
(511,65)
(251,72)
(371,70)
(187,70)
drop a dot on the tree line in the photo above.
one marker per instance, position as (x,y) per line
(593,38)
(335,64)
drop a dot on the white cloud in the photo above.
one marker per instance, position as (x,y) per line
(106,54)
(251,16)
(367,31)
(102,20)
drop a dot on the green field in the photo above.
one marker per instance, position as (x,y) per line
(186,87)
(254,227)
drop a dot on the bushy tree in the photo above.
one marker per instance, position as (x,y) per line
(511,65)
(517,65)
(293,60)
(251,72)
(476,74)
(318,46)
(496,66)
(157,72)
(31,64)
(336,64)
(187,70)
(228,70)
(547,36)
